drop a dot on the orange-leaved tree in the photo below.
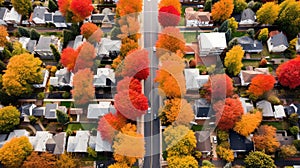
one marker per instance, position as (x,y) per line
(86,56)
(127,45)
(261,84)
(124,143)
(248,123)
(81,9)
(64,6)
(110,124)
(83,90)
(175,4)
(68,58)
(222,10)
(265,139)
(170,40)
(127,7)
(91,32)
(228,112)
(136,64)
(44,160)
(3,36)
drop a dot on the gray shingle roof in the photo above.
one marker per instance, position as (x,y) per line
(39,12)
(30,45)
(44,43)
(279,39)
(2,12)
(248,14)
(48,17)
(50,111)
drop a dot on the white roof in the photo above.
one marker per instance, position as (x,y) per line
(12,16)
(39,140)
(212,40)
(279,111)
(108,72)
(24,41)
(266,108)
(78,143)
(96,110)
(102,145)
(54,81)
(17,133)
(190,78)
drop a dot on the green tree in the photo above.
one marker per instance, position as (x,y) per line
(9,118)
(22,71)
(207,5)
(24,32)
(239,6)
(23,7)
(294,130)
(263,35)
(52,6)
(15,151)
(288,150)
(62,117)
(18,49)
(293,119)
(55,52)
(289,18)
(268,13)
(34,35)
(296,143)
(233,60)
(259,160)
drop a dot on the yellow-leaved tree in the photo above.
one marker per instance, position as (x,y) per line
(226,154)
(67,161)
(248,123)
(233,60)
(14,152)
(183,161)
(268,13)
(3,35)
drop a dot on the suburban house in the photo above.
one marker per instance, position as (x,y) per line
(196,18)
(15,133)
(202,110)
(77,42)
(38,15)
(211,44)
(98,144)
(239,143)
(78,143)
(247,75)
(13,17)
(43,49)
(98,110)
(104,77)
(292,108)
(97,18)
(268,111)
(63,77)
(107,45)
(203,142)
(59,20)
(247,17)
(298,43)
(3,12)
(193,80)
(27,110)
(28,44)
(247,106)
(249,45)
(50,111)
(277,42)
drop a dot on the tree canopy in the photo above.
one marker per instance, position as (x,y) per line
(182,161)
(248,123)
(9,118)
(23,7)
(66,161)
(175,4)
(265,139)
(168,16)
(3,36)
(233,60)
(44,160)
(259,159)
(268,13)
(91,32)
(68,58)
(289,73)
(261,84)
(222,10)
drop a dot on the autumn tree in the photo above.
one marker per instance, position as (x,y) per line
(228,112)
(130,27)
(268,13)
(259,159)
(118,165)
(64,6)
(3,36)
(52,6)
(62,117)
(222,10)
(265,139)
(294,130)
(83,90)
(288,73)
(168,16)
(18,49)
(182,161)
(91,32)
(22,71)
(214,88)
(288,151)
(15,151)
(68,58)
(170,40)
(239,6)
(128,83)
(127,46)
(263,35)
(81,9)
(127,7)
(233,24)
(177,111)
(86,56)
(208,164)
(225,154)
(67,161)
(124,143)
(44,160)
(289,18)
(175,4)
(23,7)
(9,118)
(261,84)
(180,140)
(110,124)
(170,76)
(248,123)
(233,60)
(131,104)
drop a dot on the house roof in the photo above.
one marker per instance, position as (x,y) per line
(240,143)
(204,16)
(31,45)
(39,14)
(3,11)
(13,16)
(39,140)
(212,40)
(50,111)
(45,74)
(78,143)
(203,141)
(273,33)
(44,43)
(102,145)
(247,75)
(190,78)
(289,110)
(48,17)
(78,41)
(279,111)
(60,141)
(38,111)
(202,108)
(279,39)
(99,80)
(26,110)
(248,14)
(76,111)
(266,108)
(64,76)
(96,110)
(17,133)
(97,18)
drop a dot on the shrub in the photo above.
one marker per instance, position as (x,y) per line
(91,152)
(274,100)
(66,95)
(294,130)
(34,35)
(41,96)
(32,119)
(23,32)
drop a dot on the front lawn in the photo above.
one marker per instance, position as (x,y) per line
(190,36)
(197,127)
(251,63)
(238,34)
(82,126)
(67,104)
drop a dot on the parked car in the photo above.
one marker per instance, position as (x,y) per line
(215,140)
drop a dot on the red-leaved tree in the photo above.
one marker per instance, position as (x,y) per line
(136,64)
(110,124)
(168,16)
(289,73)
(68,58)
(81,9)
(131,104)
(214,88)
(86,56)
(64,6)
(91,32)
(261,84)
(83,89)
(129,84)
(228,112)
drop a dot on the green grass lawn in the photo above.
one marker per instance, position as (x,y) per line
(197,127)
(190,36)
(279,125)
(251,63)
(67,104)
(181,22)
(82,126)
(238,34)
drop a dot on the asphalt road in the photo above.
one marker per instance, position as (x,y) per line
(151,122)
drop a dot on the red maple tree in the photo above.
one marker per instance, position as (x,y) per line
(86,56)
(131,104)
(168,16)
(68,58)
(129,84)
(228,112)
(110,124)
(289,73)
(81,9)
(261,84)
(136,64)
(64,6)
